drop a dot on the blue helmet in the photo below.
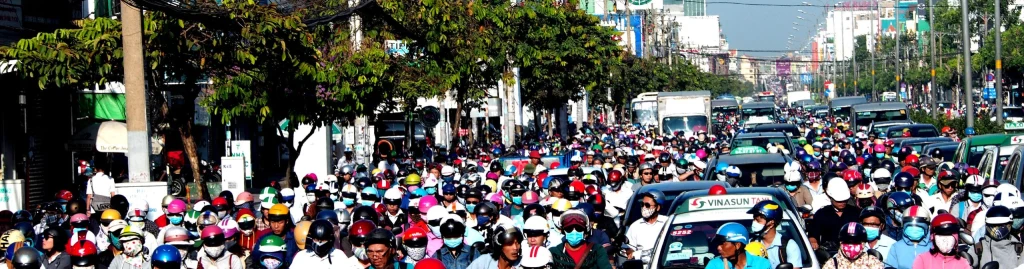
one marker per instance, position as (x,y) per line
(903,180)
(767,208)
(733,232)
(166,256)
(969,131)
(814,166)
(806,158)
(897,202)
(720,167)
(658,196)
(328,215)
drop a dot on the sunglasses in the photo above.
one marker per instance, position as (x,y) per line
(434,223)
(357,240)
(649,205)
(416,243)
(647,174)
(574,228)
(215,241)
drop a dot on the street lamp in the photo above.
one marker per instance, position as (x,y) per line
(801,10)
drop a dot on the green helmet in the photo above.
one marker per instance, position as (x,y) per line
(271,244)
(802,141)
(191,217)
(682,162)
(268,196)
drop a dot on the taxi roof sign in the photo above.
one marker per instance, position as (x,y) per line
(748,150)
(728,201)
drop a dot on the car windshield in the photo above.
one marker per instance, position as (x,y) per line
(976,153)
(914,132)
(398,129)
(1013,112)
(865,118)
(684,124)
(760,141)
(765,111)
(690,245)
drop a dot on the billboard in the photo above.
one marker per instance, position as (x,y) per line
(782,67)
(640,4)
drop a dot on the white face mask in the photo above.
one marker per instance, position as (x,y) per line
(214,252)
(417,254)
(360,253)
(132,248)
(946,243)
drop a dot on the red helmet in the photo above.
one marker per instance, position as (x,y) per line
(219,201)
(716,189)
(83,253)
(64,195)
(359,230)
(972,171)
(429,263)
(912,160)
(614,176)
(889,143)
(945,224)
(576,186)
(212,232)
(415,237)
(852,176)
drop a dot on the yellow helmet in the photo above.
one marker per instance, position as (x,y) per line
(111,214)
(756,248)
(561,205)
(412,179)
(375,171)
(301,231)
(279,209)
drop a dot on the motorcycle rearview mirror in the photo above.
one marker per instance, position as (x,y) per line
(638,264)
(966,239)
(990,265)
(784,265)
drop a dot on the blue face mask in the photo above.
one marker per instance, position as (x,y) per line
(914,233)
(880,155)
(366,203)
(872,233)
(348,201)
(817,154)
(176,220)
(448,179)
(116,242)
(470,208)
(453,242)
(482,220)
(517,200)
(574,238)
(792,187)
(574,203)
(1018,223)
(431,190)
(75,231)
(835,158)
(974,196)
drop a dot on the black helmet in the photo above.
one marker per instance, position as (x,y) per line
(936,153)
(461,191)
(328,215)
(534,210)
(853,235)
(22,216)
(858,146)
(888,165)
(658,196)
(632,161)
(228,196)
(657,142)
(60,237)
(495,167)
(998,215)
(486,209)
(872,211)
(452,228)
(555,184)
(119,203)
(474,193)
(26,229)
(575,172)
(75,206)
(664,158)
(321,230)
(26,258)
(324,204)
(904,152)
(598,202)
(503,235)
(367,213)
(849,160)
(380,236)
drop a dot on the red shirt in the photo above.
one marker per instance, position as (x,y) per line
(161,221)
(577,255)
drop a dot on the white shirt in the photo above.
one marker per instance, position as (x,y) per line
(100,184)
(307,259)
(936,202)
(617,199)
(639,233)
(384,165)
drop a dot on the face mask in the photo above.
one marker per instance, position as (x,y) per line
(430,190)
(461,200)
(756,227)
(348,201)
(175,220)
(221,214)
(998,232)
(1018,224)
(453,242)
(946,243)
(574,203)
(519,200)
(133,248)
(85,267)
(138,225)
(52,219)
(914,233)
(436,230)
(852,251)
(482,221)
(872,233)
(975,196)
(288,204)
(792,188)
(311,198)
(817,154)
(880,155)
(989,199)
(647,212)
(214,252)
(470,207)
(416,254)
(574,238)
(835,158)
(270,263)
(366,203)
(116,242)
(360,253)
(322,249)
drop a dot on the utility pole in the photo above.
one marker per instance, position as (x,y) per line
(899,32)
(856,72)
(874,49)
(931,42)
(135,94)
(968,92)
(999,66)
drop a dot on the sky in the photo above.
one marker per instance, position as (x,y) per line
(766,27)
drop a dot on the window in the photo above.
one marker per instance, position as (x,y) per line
(691,245)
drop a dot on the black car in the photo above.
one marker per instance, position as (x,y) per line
(916,130)
(761,139)
(756,169)
(918,143)
(948,149)
(790,129)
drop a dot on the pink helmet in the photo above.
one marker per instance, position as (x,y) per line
(176,207)
(530,198)
(701,154)
(496,198)
(79,217)
(212,231)
(879,148)
(426,202)
(228,226)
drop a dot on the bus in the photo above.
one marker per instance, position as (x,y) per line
(865,114)
(724,107)
(840,106)
(762,109)
(645,109)
(890,97)
(765,96)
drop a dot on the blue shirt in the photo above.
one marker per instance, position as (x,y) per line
(792,251)
(753,262)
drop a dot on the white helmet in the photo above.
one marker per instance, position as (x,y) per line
(330,184)
(793,166)
(198,206)
(536,223)
(881,173)
(793,177)
(837,189)
(1007,190)
(536,257)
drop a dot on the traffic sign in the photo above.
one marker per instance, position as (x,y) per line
(430,116)
(748,150)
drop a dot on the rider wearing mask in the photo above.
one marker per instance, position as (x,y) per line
(575,251)
(945,234)
(800,194)
(455,253)
(915,239)
(214,252)
(852,250)
(968,209)
(778,248)
(133,255)
(839,212)
(997,245)
(872,218)
(638,234)
(320,251)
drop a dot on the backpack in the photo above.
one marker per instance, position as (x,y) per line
(979,249)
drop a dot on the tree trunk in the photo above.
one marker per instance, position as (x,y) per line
(293,153)
(459,105)
(551,123)
(189,142)
(536,122)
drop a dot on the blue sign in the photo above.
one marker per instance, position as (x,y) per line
(988,93)
(806,78)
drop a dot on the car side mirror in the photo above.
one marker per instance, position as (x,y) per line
(784,265)
(990,265)
(966,239)
(638,264)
